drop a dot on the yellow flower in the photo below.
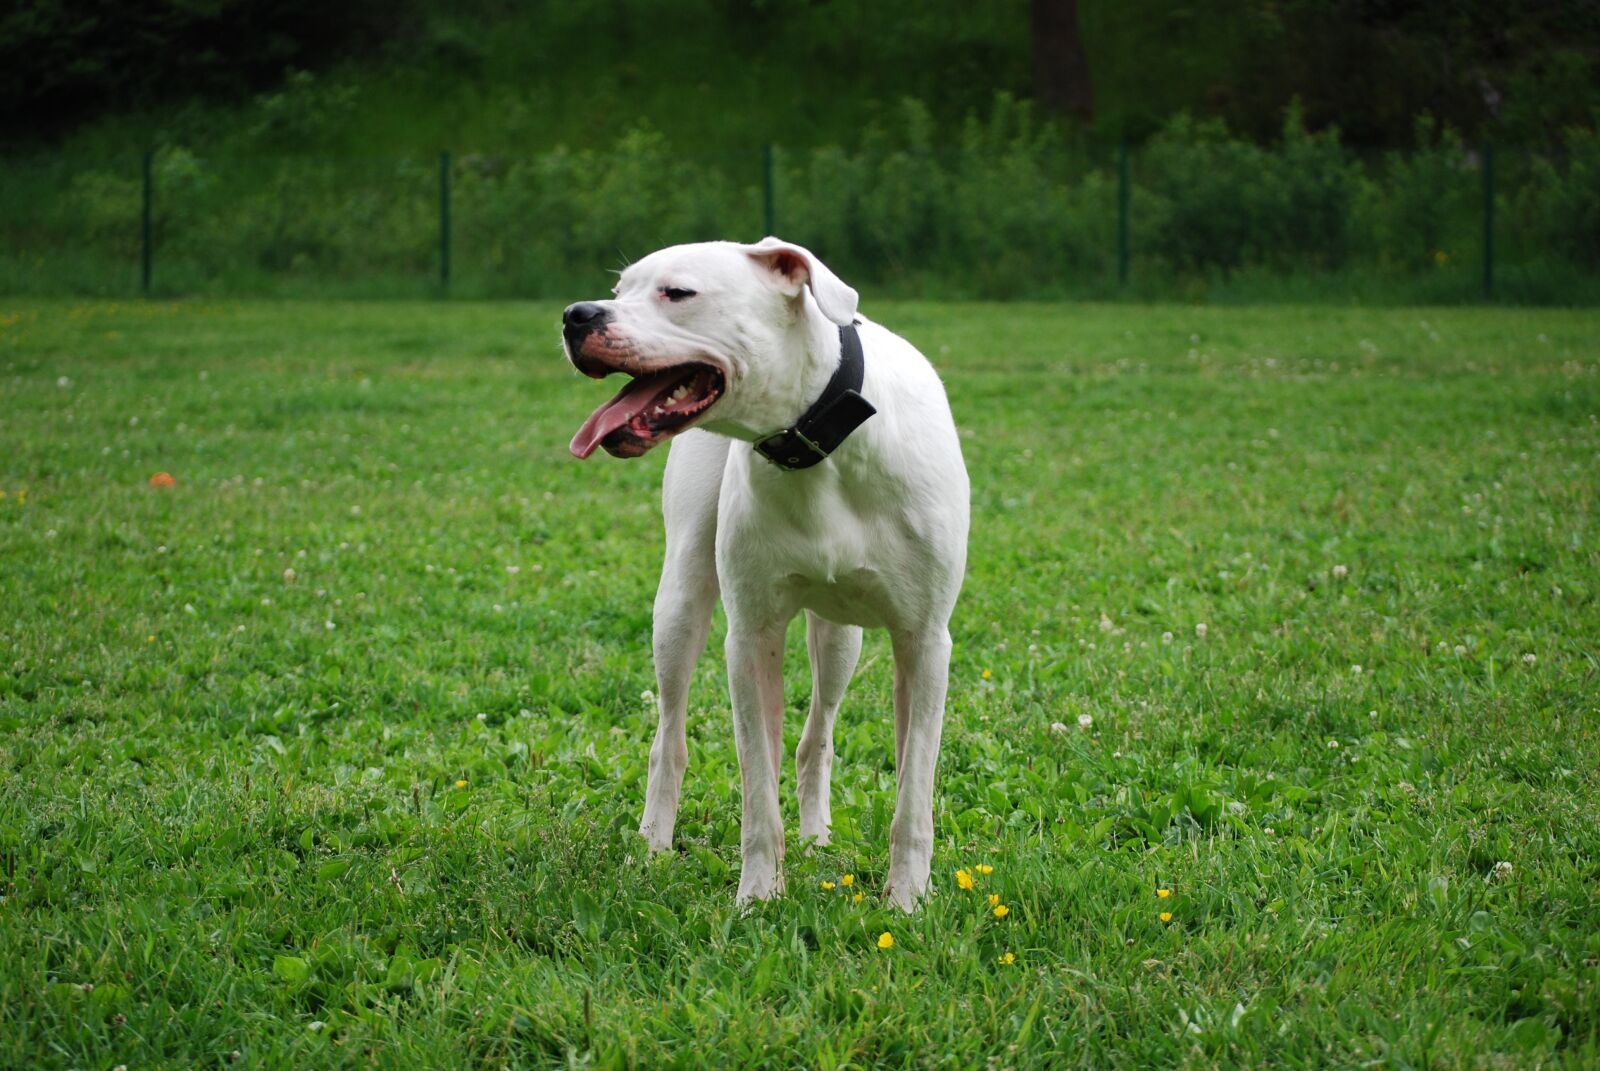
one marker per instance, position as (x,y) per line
(994,899)
(856,899)
(964,878)
(149,639)
(827,885)
(885,939)
(985,868)
(461,784)
(1163,893)
(1166,916)
(987,674)
(1008,958)
(1002,911)
(848,880)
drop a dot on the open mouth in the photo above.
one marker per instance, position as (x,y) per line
(652,408)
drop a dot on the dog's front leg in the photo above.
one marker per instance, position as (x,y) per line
(755,679)
(682,618)
(922,675)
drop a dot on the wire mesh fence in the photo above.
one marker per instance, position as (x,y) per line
(989,218)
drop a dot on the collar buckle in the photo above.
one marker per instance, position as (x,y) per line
(785,448)
(830,419)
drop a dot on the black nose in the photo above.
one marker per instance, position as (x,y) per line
(584,316)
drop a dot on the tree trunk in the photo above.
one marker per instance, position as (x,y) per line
(1060,69)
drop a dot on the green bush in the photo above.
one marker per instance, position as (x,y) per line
(1224,203)
(1560,206)
(1008,209)
(1417,208)
(1004,206)
(557,223)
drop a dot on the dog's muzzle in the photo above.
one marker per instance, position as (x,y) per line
(577,324)
(657,403)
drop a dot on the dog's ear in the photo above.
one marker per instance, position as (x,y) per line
(794,266)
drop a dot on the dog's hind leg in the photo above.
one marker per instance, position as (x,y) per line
(684,603)
(834,650)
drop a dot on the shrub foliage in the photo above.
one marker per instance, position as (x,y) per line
(1004,206)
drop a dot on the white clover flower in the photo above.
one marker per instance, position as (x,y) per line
(329,625)
(1356,669)
(1166,637)
(1332,743)
(1058,726)
(1340,572)
(1529,659)
(1200,630)
(1501,871)
(647,696)
(1085,722)
(288,576)
(1461,650)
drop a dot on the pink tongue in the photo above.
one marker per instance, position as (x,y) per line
(629,403)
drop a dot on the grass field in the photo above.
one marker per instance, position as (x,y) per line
(332,752)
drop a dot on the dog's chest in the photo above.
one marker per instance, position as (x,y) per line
(854,597)
(831,552)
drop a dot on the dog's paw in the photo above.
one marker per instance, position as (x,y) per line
(758,886)
(656,839)
(905,895)
(815,839)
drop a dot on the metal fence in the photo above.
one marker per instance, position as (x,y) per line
(985,221)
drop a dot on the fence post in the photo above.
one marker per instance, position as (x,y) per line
(144,226)
(1122,213)
(768,197)
(444,222)
(1488,221)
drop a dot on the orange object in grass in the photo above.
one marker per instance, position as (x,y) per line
(162,479)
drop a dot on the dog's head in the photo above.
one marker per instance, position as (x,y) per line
(712,334)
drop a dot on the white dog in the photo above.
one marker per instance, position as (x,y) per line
(824,474)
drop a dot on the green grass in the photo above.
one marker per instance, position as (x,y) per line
(228,799)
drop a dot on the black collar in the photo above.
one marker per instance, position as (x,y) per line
(831,418)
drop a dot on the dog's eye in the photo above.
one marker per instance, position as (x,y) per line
(677,293)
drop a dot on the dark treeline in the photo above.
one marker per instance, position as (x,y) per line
(1523,70)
